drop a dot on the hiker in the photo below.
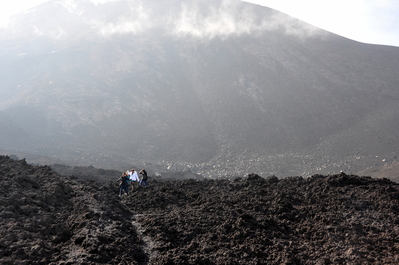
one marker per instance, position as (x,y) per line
(144,178)
(124,184)
(133,177)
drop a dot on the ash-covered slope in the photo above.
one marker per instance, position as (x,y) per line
(338,219)
(221,85)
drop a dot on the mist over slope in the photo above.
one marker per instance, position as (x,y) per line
(219,87)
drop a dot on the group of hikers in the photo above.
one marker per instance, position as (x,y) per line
(129,177)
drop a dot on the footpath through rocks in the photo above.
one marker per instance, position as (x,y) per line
(46,218)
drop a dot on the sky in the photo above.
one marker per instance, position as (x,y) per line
(9,8)
(369,21)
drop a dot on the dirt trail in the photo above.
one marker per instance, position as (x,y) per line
(149,246)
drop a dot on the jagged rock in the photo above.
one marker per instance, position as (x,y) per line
(46,218)
(49,219)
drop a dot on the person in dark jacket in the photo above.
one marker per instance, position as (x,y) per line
(144,178)
(124,184)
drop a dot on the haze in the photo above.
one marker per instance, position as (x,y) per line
(216,87)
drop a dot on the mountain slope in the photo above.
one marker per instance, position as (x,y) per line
(210,84)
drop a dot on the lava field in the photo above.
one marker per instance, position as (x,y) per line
(47,218)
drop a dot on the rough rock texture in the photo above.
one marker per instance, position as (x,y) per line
(48,219)
(338,219)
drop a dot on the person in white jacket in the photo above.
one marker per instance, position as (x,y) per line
(133,177)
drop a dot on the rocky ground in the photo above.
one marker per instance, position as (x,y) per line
(49,219)
(46,218)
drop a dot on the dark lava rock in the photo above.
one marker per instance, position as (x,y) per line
(337,219)
(48,219)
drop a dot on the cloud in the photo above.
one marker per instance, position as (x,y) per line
(235,18)
(137,21)
(101,2)
(205,19)
(71,6)
(222,21)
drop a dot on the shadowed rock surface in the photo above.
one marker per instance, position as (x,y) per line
(339,219)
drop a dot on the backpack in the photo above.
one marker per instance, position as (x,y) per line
(124,180)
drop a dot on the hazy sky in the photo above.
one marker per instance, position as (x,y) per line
(8,8)
(370,21)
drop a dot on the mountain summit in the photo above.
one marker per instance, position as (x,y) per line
(219,87)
